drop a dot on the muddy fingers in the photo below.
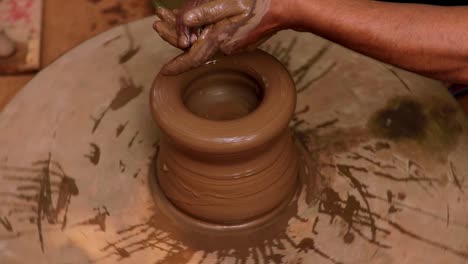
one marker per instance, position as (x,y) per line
(212,12)
(201,51)
(204,28)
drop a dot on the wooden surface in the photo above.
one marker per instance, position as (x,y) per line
(67,25)
(384,172)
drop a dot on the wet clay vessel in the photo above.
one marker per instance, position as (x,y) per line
(226,153)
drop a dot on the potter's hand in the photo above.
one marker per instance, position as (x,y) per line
(166,28)
(229,26)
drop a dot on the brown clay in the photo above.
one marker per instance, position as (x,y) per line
(226,153)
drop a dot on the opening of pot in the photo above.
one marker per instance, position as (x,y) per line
(223,95)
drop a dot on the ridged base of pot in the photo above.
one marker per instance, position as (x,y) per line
(232,191)
(193,224)
(229,192)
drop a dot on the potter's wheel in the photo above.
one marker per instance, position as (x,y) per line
(390,149)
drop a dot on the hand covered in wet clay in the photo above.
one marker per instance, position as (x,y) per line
(204,28)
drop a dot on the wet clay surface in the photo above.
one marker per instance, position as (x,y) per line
(245,167)
(71,195)
(223,96)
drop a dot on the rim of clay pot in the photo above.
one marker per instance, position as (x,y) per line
(266,122)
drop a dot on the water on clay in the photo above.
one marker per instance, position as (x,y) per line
(226,94)
(223,95)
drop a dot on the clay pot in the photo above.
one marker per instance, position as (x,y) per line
(226,153)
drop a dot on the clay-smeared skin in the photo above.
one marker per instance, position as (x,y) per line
(184,33)
(225,170)
(226,24)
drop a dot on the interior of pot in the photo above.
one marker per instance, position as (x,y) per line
(223,95)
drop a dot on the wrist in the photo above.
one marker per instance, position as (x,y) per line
(303,14)
(283,12)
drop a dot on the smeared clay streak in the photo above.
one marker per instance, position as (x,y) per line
(230,177)
(219,196)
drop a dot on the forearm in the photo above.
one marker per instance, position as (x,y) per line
(426,39)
